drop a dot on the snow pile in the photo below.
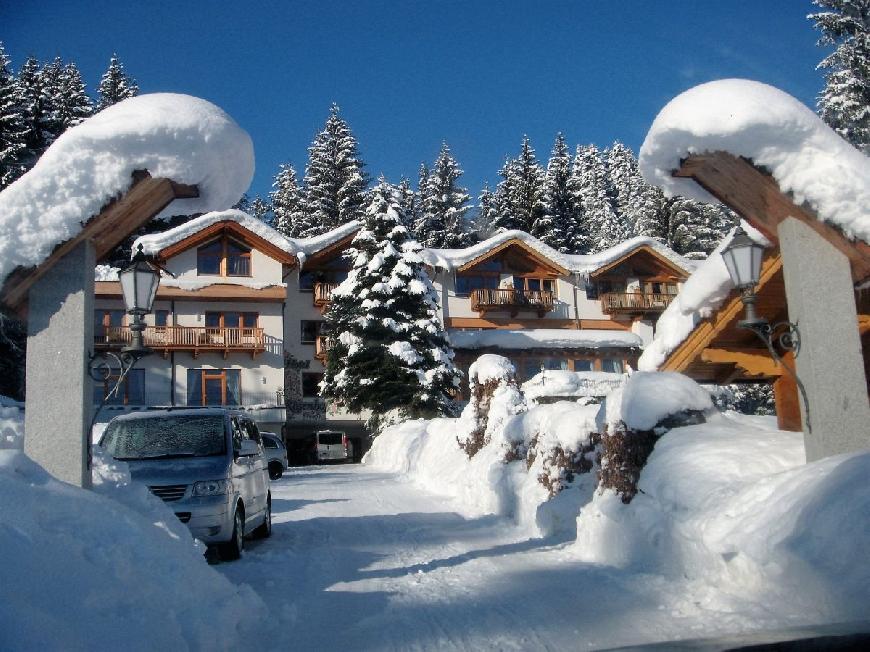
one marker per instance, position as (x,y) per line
(746,118)
(11,424)
(543,338)
(648,397)
(488,368)
(730,507)
(700,296)
(106,273)
(172,136)
(567,384)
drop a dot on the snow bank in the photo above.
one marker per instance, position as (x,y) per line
(106,273)
(172,136)
(490,367)
(543,338)
(11,424)
(451,259)
(746,118)
(649,397)
(699,297)
(571,384)
(731,504)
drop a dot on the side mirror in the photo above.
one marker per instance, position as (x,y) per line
(249,448)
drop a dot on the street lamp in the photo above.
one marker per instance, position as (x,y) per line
(742,258)
(139,283)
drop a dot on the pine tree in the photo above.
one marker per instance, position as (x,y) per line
(291,219)
(446,203)
(12,128)
(73,104)
(51,92)
(261,209)
(487,210)
(638,204)
(520,194)
(39,132)
(418,219)
(600,225)
(559,221)
(694,229)
(408,201)
(389,351)
(844,103)
(115,85)
(335,182)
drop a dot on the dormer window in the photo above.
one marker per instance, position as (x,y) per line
(223,257)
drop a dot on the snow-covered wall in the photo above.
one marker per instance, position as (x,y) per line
(178,137)
(750,119)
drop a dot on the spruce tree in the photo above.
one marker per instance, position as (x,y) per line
(638,204)
(51,91)
(261,209)
(408,201)
(600,225)
(115,85)
(418,218)
(389,352)
(72,103)
(559,220)
(504,218)
(39,131)
(844,103)
(12,128)
(335,182)
(487,210)
(446,203)
(291,219)
(520,194)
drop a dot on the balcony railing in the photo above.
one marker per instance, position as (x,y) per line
(186,338)
(614,302)
(321,347)
(323,293)
(484,300)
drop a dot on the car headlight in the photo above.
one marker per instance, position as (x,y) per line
(212,487)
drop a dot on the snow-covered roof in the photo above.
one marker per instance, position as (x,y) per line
(746,118)
(540,338)
(299,247)
(700,296)
(451,259)
(178,137)
(571,383)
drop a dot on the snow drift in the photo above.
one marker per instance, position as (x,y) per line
(178,137)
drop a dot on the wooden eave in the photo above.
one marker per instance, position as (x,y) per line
(643,249)
(216,292)
(754,194)
(145,198)
(551,266)
(234,229)
(329,252)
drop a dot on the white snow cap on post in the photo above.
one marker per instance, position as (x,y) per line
(172,136)
(773,129)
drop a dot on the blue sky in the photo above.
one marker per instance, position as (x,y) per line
(408,75)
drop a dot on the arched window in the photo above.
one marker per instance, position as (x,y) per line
(223,257)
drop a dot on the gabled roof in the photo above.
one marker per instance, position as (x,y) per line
(518,243)
(228,227)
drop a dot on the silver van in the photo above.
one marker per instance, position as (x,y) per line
(332,446)
(206,464)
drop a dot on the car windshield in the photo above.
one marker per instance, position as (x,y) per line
(329,438)
(160,437)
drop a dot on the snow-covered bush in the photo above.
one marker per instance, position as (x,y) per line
(746,398)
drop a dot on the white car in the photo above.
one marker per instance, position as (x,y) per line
(332,446)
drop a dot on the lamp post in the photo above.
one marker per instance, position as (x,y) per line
(742,258)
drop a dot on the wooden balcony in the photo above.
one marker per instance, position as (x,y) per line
(321,346)
(194,339)
(634,302)
(514,301)
(323,294)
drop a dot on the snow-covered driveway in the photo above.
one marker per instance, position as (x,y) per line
(364,560)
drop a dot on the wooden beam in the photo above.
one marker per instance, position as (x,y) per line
(785,396)
(118,219)
(755,362)
(755,196)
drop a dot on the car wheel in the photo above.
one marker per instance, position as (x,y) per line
(232,549)
(276,470)
(265,530)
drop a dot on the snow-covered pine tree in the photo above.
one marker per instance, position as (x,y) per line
(638,204)
(445,206)
(559,221)
(407,199)
(600,227)
(694,228)
(519,195)
(51,91)
(261,209)
(335,182)
(291,218)
(73,104)
(389,352)
(12,128)
(115,85)
(39,132)
(844,103)
(487,209)
(417,220)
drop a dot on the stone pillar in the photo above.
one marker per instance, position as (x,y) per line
(60,336)
(821,301)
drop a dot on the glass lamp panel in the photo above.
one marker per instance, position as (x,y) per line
(146,286)
(742,257)
(128,287)
(757,251)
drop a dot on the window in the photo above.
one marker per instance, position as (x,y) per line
(223,257)
(311,385)
(104,319)
(466,284)
(131,391)
(555,364)
(308,278)
(161,318)
(214,387)
(231,319)
(268,442)
(611,365)
(582,365)
(529,284)
(310,330)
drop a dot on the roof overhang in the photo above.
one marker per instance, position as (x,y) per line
(643,249)
(550,265)
(227,227)
(329,252)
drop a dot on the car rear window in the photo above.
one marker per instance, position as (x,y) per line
(329,438)
(153,437)
(268,442)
